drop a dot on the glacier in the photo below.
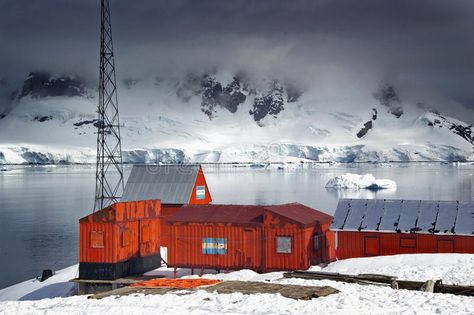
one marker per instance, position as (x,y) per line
(165,123)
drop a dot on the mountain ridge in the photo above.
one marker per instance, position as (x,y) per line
(217,118)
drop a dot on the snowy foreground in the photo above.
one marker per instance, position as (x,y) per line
(353,298)
(356,181)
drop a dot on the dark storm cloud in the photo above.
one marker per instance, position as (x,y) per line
(421,46)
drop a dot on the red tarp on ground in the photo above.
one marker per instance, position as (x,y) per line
(175,283)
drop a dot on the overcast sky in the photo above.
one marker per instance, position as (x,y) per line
(425,46)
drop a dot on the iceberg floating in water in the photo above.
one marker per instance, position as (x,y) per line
(356,181)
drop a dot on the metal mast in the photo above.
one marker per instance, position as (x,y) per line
(109,172)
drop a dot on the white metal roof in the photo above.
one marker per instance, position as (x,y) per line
(172,184)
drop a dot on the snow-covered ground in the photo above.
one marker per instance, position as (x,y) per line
(356,181)
(352,299)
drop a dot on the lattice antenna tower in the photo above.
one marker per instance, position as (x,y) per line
(109,171)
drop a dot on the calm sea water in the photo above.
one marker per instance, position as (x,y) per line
(40,206)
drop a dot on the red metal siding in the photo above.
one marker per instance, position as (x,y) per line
(117,221)
(97,255)
(353,244)
(300,243)
(166,212)
(328,250)
(130,250)
(243,246)
(150,237)
(251,239)
(303,253)
(200,181)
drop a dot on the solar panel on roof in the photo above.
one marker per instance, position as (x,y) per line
(465,219)
(356,214)
(408,215)
(341,214)
(391,215)
(427,214)
(446,216)
(373,215)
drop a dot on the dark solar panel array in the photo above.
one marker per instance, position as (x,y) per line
(406,216)
(465,219)
(391,215)
(446,217)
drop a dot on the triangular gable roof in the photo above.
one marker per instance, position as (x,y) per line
(172,184)
(405,216)
(300,213)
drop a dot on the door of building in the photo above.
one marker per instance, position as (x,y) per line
(317,245)
(372,246)
(445,246)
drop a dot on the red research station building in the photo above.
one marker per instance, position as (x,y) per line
(388,227)
(262,238)
(120,240)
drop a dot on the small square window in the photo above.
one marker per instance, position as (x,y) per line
(97,239)
(126,235)
(283,244)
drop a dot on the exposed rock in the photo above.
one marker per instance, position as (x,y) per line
(41,84)
(465,131)
(367,126)
(374,113)
(271,103)
(214,95)
(42,118)
(85,122)
(232,96)
(211,96)
(389,98)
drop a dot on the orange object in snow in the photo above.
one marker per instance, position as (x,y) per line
(176,283)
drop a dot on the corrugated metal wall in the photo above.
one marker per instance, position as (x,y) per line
(166,212)
(121,229)
(243,246)
(299,257)
(363,244)
(97,255)
(251,246)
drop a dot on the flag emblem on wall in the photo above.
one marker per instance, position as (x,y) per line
(214,246)
(200,192)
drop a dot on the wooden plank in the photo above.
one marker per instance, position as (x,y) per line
(297,292)
(128,280)
(375,279)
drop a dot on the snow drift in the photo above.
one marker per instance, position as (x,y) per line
(353,298)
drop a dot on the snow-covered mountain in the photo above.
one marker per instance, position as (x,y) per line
(226,117)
